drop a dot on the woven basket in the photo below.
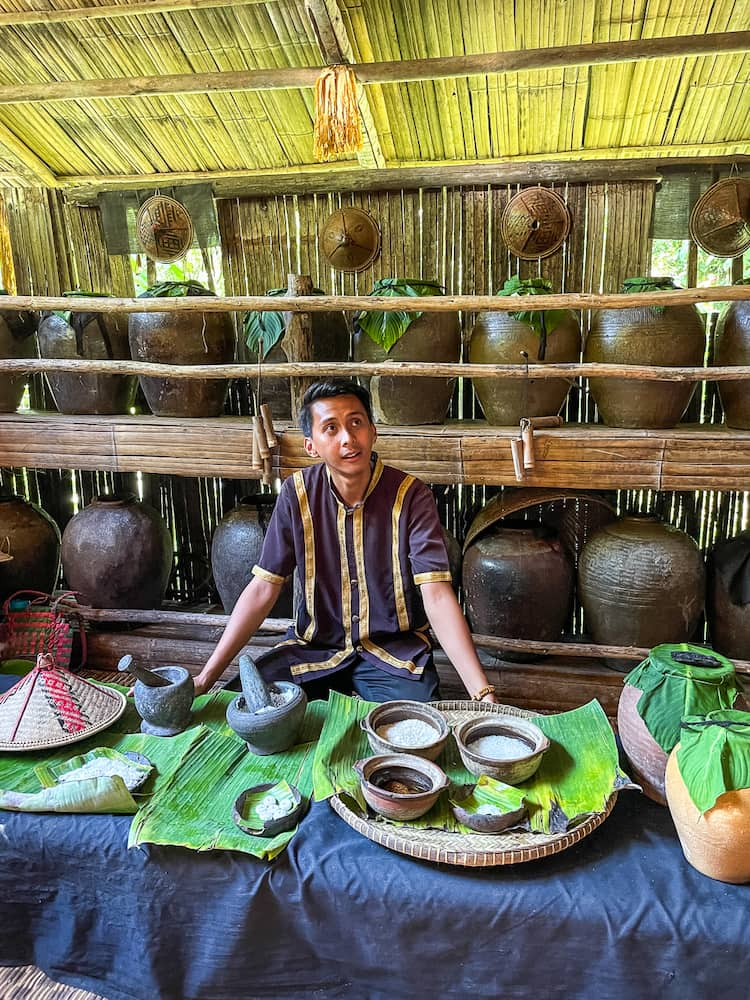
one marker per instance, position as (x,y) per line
(164,228)
(720,220)
(350,239)
(535,223)
(469,850)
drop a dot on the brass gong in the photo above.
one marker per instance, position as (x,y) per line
(350,239)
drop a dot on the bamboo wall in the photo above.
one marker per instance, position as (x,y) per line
(452,235)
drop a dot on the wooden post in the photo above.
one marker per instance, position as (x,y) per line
(297,341)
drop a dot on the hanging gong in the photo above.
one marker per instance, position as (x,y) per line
(720,220)
(535,223)
(350,239)
(163,228)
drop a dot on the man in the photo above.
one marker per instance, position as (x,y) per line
(367,544)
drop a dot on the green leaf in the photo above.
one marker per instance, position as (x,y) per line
(542,321)
(490,792)
(92,795)
(175,290)
(281,794)
(713,756)
(387,328)
(51,773)
(263,330)
(649,284)
(673,690)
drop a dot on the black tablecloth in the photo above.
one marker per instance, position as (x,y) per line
(619,915)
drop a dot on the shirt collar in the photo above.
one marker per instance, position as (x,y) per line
(377,470)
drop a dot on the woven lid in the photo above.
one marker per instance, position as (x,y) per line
(720,220)
(535,223)
(350,239)
(164,228)
(51,707)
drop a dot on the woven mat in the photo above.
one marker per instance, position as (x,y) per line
(470,850)
(26,982)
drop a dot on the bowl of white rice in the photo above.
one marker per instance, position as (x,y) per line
(406,727)
(504,747)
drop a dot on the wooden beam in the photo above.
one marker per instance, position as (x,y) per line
(336,47)
(396,71)
(25,17)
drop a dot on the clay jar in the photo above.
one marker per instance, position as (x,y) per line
(728,596)
(499,339)
(518,583)
(183,338)
(236,548)
(92,336)
(641,583)
(33,541)
(16,341)
(431,337)
(733,348)
(671,335)
(117,553)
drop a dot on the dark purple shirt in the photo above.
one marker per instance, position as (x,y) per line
(360,570)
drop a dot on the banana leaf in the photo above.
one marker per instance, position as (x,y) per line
(263,330)
(714,755)
(92,795)
(387,328)
(542,322)
(194,810)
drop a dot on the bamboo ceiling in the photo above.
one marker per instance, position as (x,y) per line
(88,133)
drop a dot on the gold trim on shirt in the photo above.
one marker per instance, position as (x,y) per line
(407,665)
(398,581)
(346,583)
(358,518)
(438,576)
(269,577)
(309,541)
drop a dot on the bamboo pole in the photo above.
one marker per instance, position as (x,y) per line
(297,340)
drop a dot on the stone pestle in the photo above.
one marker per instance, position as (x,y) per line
(266,727)
(254,688)
(128,665)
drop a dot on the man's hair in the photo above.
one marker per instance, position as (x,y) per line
(326,390)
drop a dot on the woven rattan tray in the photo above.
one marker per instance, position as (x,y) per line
(473,850)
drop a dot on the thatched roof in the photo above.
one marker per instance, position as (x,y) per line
(110,93)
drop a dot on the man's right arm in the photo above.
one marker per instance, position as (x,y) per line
(250,611)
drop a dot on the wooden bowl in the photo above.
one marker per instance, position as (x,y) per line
(398,711)
(511,770)
(425,778)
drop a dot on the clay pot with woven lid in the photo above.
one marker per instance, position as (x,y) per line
(644,335)
(428,337)
(16,341)
(92,336)
(182,338)
(117,553)
(501,338)
(675,679)
(33,542)
(518,583)
(733,348)
(641,583)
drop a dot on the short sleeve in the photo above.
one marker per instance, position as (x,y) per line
(427,553)
(277,558)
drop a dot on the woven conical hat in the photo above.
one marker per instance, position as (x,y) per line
(535,223)
(350,239)
(164,228)
(720,220)
(51,707)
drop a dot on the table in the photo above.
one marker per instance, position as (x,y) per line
(619,915)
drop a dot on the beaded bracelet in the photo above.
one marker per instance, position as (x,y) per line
(483,692)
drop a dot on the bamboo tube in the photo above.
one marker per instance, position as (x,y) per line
(267,478)
(257,461)
(527,436)
(516,450)
(259,435)
(265,412)
(536,422)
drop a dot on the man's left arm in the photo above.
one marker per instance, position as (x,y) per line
(452,632)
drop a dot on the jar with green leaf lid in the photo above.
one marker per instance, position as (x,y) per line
(408,336)
(733,348)
(708,793)
(674,681)
(533,336)
(645,335)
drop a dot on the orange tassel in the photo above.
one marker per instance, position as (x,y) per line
(337,125)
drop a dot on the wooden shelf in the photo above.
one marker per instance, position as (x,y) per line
(577,456)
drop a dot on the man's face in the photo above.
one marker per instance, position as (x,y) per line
(342,435)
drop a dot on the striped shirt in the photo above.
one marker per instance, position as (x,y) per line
(360,570)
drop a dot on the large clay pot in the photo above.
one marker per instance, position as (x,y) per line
(16,341)
(93,336)
(716,843)
(518,583)
(330,342)
(499,339)
(645,335)
(733,348)
(236,548)
(728,596)
(183,338)
(431,337)
(33,541)
(641,583)
(117,553)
